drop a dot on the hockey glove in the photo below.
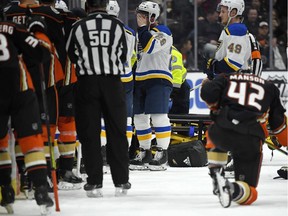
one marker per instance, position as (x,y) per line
(36,24)
(283,172)
(209,68)
(210,65)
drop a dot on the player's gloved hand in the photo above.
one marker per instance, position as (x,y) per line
(36,24)
(210,65)
(275,144)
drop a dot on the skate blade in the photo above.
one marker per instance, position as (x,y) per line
(69,186)
(96,193)
(9,209)
(44,210)
(138,167)
(157,168)
(119,192)
(223,192)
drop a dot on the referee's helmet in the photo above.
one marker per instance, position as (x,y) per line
(97,3)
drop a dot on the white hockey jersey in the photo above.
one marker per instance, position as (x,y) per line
(234,47)
(154,54)
(131,40)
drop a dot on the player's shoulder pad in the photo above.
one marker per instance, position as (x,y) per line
(129,30)
(162,28)
(236,29)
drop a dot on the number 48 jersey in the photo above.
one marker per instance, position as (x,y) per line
(234,47)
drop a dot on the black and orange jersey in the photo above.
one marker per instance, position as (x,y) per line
(15,42)
(248,97)
(55,24)
(69,19)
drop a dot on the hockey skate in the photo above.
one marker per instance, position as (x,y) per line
(141,161)
(43,200)
(93,191)
(68,180)
(159,162)
(122,189)
(26,186)
(221,186)
(8,198)
(229,170)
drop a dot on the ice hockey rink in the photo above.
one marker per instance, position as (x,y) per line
(177,191)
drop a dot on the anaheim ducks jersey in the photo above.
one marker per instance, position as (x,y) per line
(248,97)
(154,53)
(131,39)
(16,40)
(53,19)
(69,19)
(234,49)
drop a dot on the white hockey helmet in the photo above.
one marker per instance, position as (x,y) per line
(151,8)
(113,8)
(239,5)
(60,4)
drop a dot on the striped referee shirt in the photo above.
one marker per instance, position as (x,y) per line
(97,45)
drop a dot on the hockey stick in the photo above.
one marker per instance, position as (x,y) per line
(196,87)
(47,122)
(272,146)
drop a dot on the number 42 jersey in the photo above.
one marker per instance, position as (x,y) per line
(247,97)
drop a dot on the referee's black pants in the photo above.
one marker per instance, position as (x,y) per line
(96,95)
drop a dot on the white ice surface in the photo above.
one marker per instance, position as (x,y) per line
(175,192)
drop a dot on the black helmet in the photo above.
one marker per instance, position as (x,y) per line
(4,3)
(97,3)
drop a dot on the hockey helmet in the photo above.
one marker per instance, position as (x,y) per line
(4,3)
(113,8)
(97,3)
(152,9)
(60,4)
(239,5)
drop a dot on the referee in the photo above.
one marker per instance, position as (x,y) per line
(97,45)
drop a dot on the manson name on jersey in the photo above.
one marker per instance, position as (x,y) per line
(247,77)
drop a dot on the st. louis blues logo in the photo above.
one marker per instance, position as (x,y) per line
(281,83)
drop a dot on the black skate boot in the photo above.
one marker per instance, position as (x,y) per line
(8,198)
(141,160)
(122,189)
(221,186)
(26,186)
(94,191)
(159,162)
(68,180)
(43,200)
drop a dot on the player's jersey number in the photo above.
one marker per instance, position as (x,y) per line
(4,51)
(240,92)
(235,48)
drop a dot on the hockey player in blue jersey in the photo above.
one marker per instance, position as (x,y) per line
(153,86)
